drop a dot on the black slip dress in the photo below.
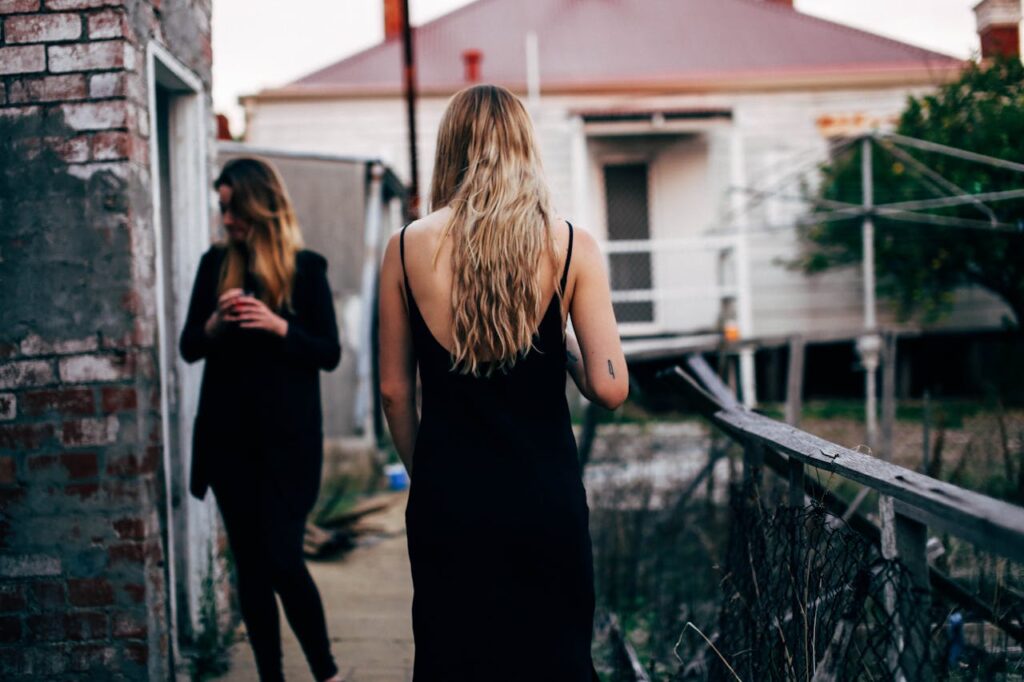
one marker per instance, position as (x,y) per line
(497,517)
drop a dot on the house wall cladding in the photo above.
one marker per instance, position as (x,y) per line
(83,592)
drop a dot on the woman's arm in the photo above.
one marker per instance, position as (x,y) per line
(600,372)
(574,362)
(397,357)
(315,340)
(196,336)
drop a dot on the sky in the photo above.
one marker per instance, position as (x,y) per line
(257,45)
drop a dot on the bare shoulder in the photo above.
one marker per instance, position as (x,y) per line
(429,226)
(586,252)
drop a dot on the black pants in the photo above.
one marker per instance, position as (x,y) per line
(267,546)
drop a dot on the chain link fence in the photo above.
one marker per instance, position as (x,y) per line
(711,582)
(804,593)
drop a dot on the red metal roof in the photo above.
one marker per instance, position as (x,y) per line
(627,44)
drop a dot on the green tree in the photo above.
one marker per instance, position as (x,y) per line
(919,265)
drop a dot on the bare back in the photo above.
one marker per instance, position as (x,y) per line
(432,285)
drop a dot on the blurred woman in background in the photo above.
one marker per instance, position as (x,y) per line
(262,316)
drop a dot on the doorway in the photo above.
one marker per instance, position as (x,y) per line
(628,215)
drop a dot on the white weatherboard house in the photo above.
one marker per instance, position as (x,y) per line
(652,116)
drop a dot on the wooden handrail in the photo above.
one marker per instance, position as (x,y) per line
(992,524)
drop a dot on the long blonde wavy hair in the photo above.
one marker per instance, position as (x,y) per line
(487,170)
(259,198)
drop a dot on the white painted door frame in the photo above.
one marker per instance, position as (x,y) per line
(178,248)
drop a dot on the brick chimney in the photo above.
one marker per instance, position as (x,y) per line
(392,19)
(999,27)
(471,60)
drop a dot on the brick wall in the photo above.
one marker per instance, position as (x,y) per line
(83,591)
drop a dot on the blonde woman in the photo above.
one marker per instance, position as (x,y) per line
(262,316)
(476,296)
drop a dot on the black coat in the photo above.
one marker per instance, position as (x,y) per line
(260,392)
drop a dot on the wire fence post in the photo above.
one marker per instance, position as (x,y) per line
(911,546)
(753,462)
(795,381)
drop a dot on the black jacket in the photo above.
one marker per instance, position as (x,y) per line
(260,390)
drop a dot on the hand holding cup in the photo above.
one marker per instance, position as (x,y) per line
(252,313)
(225,312)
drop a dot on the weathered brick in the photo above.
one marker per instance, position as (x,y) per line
(8,406)
(22,59)
(119,398)
(103,85)
(42,28)
(130,626)
(27,565)
(81,4)
(48,89)
(33,344)
(85,171)
(130,529)
(90,592)
(143,121)
(18,113)
(132,463)
(86,432)
(92,56)
(72,149)
(46,627)
(45,662)
(24,436)
(109,146)
(41,463)
(7,470)
(85,625)
(25,373)
(137,653)
(93,657)
(79,369)
(15,6)
(10,497)
(135,591)
(80,465)
(13,661)
(48,595)
(83,491)
(127,553)
(65,401)
(106,24)
(10,629)
(12,597)
(120,492)
(96,115)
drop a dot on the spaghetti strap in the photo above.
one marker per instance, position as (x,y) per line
(568,257)
(401,250)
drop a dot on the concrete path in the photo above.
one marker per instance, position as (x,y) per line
(368,598)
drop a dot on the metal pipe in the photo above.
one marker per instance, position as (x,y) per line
(952,151)
(409,84)
(371,241)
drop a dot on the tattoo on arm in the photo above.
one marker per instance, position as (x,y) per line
(611,369)
(572,357)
